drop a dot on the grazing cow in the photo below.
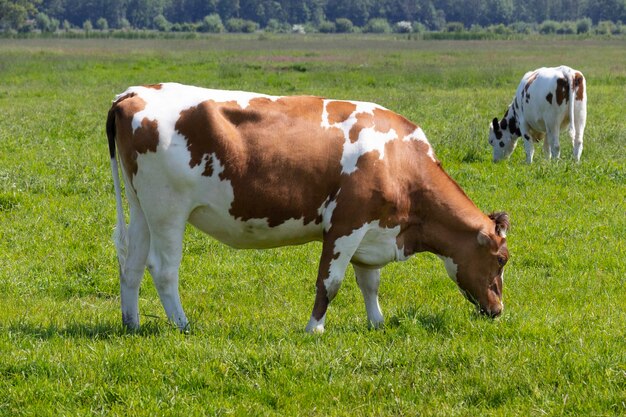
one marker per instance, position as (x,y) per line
(257,171)
(546,101)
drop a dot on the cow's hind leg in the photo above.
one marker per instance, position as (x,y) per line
(134,265)
(369,281)
(336,255)
(166,243)
(552,135)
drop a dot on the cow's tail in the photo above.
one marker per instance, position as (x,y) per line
(572,95)
(120,236)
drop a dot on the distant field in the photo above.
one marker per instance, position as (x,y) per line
(558,349)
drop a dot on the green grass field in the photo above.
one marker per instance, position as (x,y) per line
(558,349)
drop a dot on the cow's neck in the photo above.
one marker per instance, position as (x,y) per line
(444,218)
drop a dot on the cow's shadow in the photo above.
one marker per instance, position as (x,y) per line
(95,331)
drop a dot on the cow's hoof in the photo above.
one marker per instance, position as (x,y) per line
(315,326)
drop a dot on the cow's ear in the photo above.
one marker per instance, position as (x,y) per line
(495,124)
(501,220)
(483,239)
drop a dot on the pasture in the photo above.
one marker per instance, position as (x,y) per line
(558,349)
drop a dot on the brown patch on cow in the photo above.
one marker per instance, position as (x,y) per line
(579,86)
(549,98)
(562,90)
(256,144)
(339,111)
(154,86)
(207,133)
(144,139)
(530,80)
(385,120)
(382,121)
(363,121)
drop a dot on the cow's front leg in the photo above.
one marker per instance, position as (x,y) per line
(336,255)
(369,281)
(529,147)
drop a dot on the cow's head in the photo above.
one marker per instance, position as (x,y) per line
(479,267)
(501,139)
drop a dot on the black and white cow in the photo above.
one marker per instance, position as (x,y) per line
(547,100)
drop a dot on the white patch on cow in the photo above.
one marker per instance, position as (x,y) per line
(369,140)
(419,135)
(166,103)
(451,267)
(379,246)
(327,210)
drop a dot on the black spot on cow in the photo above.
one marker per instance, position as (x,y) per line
(549,98)
(526,137)
(503,124)
(512,124)
(496,128)
(501,144)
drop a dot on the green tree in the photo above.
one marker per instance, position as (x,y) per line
(102,24)
(212,24)
(14,13)
(161,24)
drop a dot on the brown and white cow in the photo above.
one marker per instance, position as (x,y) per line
(257,171)
(547,100)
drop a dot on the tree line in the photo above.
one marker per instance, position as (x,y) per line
(317,15)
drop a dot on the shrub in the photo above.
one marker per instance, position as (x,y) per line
(455,27)
(102,24)
(326,27)
(583,25)
(605,27)
(377,25)
(161,23)
(419,27)
(236,24)
(275,26)
(87,26)
(212,24)
(567,28)
(43,21)
(299,29)
(124,24)
(500,29)
(548,27)
(522,27)
(343,25)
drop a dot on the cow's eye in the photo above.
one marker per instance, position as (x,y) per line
(501,260)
